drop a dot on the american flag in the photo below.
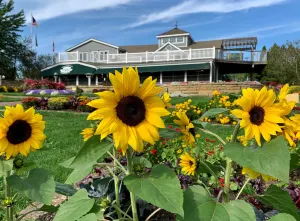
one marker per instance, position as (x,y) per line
(34,22)
(53,47)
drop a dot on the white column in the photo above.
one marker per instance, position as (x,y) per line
(185,76)
(0,80)
(59,79)
(77,80)
(55,79)
(210,72)
(89,80)
(160,78)
(96,79)
(42,78)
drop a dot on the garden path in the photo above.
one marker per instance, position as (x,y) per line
(9,103)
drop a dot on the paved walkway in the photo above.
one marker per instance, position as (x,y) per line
(9,103)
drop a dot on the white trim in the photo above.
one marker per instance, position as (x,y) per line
(179,49)
(92,39)
(68,63)
(104,67)
(161,36)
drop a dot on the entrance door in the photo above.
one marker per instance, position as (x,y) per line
(94,56)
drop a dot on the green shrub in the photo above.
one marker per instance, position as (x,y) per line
(3,89)
(58,103)
(294,89)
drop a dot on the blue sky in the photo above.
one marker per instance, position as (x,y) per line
(132,22)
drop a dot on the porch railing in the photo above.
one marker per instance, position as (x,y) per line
(162,56)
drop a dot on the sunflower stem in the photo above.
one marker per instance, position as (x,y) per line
(229,166)
(213,134)
(117,191)
(8,199)
(243,187)
(132,196)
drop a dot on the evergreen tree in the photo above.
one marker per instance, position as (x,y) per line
(11,46)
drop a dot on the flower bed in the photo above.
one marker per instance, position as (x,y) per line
(5,89)
(52,92)
(30,84)
(59,103)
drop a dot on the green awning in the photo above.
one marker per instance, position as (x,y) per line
(181,67)
(69,69)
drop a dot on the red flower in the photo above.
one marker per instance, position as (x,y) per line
(211,152)
(153,151)
(163,143)
(212,141)
(221,147)
(170,127)
(119,150)
(177,129)
(221,180)
(166,139)
(206,139)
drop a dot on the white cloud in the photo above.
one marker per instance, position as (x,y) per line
(46,9)
(204,6)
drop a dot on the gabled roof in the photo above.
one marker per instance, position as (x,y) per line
(168,43)
(89,40)
(139,48)
(174,31)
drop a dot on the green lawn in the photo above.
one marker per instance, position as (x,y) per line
(195,99)
(9,99)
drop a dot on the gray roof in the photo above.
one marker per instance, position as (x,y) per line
(174,31)
(154,47)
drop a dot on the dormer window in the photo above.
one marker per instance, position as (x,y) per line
(179,39)
(173,40)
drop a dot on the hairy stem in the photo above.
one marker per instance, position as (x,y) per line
(243,187)
(8,199)
(117,191)
(229,166)
(132,196)
(116,160)
(213,134)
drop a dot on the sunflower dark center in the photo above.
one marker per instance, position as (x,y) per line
(19,132)
(257,115)
(191,163)
(131,110)
(192,131)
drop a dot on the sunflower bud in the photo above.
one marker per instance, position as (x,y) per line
(18,163)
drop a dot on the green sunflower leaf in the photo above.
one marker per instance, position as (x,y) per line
(273,158)
(38,186)
(77,206)
(78,174)
(213,112)
(89,217)
(282,217)
(280,200)
(199,206)
(5,166)
(168,133)
(90,152)
(161,188)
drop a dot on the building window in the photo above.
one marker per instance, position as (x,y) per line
(165,40)
(172,39)
(179,39)
(169,47)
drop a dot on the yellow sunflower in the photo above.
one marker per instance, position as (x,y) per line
(132,113)
(259,114)
(291,129)
(187,163)
(166,99)
(21,131)
(187,128)
(253,174)
(286,106)
(87,133)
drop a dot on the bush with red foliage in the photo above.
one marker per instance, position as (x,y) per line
(29,102)
(30,84)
